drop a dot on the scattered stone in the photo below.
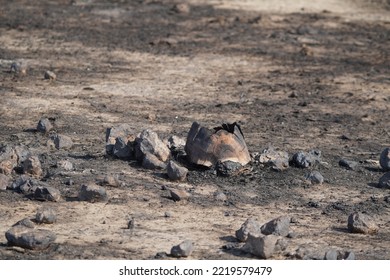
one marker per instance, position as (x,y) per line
(250,226)
(304,160)
(150,161)
(43,193)
(167,214)
(22,182)
(65,164)
(227,168)
(331,255)
(19,67)
(160,255)
(32,166)
(220,196)
(4,182)
(148,142)
(111,180)
(50,75)
(384,181)
(179,194)
(26,222)
(348,164)
(384,159)
(131,223)
(261,246)
(181,8)
(349,256)
(315,178)
(92,193)
(176,172)
(292,235)
(35,239)
(8,160)
(120,141)
(176,143)
(44,125)
(62,141)
(22,153)
(362,223)
(279,226)
(184,249)
(278,160)
(207,147)
(45,216)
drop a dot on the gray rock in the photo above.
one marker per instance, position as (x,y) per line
(384,181)
(35,239)
(278,160)
(181,8)
(131,223)
(261,246)
(92,193)
(384,159)
(121,136)
(184,249)
(150,161)
(304,160)
(220,196)
(315,178)
(279,226)
(227,168)
(348,164)
(50,75)
(44,125)
(176,172)
(362,223)
(310,252)
(65,164)
(4,182)
(32,166)
(26,222)
(179,194)
(250,226)
(62,141)
(44,193)
(22,153)
(148,142)
(111,180)
(8,160)
(331,255)
(349,256)
(45,215)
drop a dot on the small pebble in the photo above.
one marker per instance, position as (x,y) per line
(184,249)
(44,125)
(50,75)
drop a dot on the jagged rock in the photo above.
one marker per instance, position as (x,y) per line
(304,160)
(92,193)
(65,164)
(362,223)
(227,168)
(62,141)
(263,246)
(32,166)
(22,153)
(315,178)
(278,160)
(220,196)
(44,125)
(8,160)
(150,161)
(207,147)
(184,249)
(279,226)
(331,255)
(4,182)
(45,216)
(348,164)
(111,180)
(44,193)
(250,226)
(35,239)
(384,181)
(384,159)
(176,172)
(120,141)
(148,142)
(176,143)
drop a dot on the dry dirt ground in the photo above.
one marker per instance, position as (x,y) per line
(299,76)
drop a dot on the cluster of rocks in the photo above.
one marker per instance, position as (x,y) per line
(20,68)
(25,233)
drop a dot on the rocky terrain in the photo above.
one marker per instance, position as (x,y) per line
(98,98)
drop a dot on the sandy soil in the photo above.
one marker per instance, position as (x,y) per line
(299,76)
